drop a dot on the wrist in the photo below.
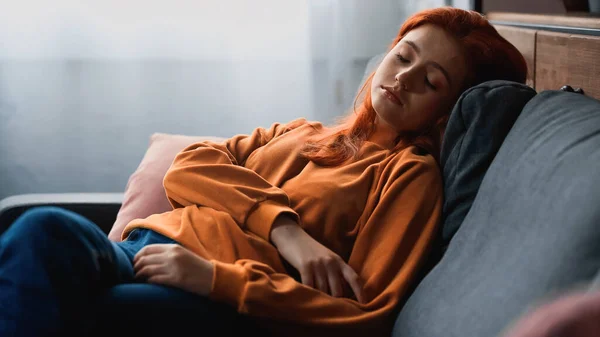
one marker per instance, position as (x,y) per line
(203,281)
(210,273)
(284,228)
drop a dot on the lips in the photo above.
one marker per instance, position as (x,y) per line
(389,94)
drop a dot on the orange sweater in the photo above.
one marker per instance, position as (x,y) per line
(378,212)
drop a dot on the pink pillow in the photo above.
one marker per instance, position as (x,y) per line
(144,193)
(574,314)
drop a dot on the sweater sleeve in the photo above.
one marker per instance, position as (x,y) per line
(389,249)
(213,175)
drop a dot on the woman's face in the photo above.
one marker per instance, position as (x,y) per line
(419,79)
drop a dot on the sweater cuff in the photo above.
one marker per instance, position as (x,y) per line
(228,284)
(261,220)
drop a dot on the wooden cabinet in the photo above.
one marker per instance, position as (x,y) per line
(567,59)
(553,58)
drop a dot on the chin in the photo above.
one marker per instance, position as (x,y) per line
(385,110)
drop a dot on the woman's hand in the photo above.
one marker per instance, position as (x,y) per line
(318,266)
(175,266)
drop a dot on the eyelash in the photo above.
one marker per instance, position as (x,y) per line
(404,60)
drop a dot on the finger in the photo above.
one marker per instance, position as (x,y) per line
(307,276)
(149,271)
(334,276)
(163,279)
(355,283)
(321,277)
(150,249)
(148,260)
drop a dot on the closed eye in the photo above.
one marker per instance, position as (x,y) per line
(402,59)
(429,84)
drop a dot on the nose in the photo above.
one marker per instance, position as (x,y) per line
(405,79)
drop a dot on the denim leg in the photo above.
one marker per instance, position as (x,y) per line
(59,273)
(138,239)
(54,262)
(144,309)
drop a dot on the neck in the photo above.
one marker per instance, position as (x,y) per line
(383,134)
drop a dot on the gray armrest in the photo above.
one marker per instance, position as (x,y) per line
(100,208)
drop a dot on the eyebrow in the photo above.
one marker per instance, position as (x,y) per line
(434,64)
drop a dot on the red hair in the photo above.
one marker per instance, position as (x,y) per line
(489,57)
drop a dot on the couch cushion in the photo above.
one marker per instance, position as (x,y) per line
(532,229)
(477,127)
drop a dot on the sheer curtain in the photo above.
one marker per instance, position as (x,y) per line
(83,84)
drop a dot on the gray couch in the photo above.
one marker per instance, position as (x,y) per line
(531,232)
(521,216)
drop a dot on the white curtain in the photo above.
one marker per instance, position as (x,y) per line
(92,80)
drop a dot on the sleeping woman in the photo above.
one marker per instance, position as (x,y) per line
(301,228)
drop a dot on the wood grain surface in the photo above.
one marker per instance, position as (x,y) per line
(567,59)
(579,20)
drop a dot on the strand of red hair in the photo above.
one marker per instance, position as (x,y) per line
(489,56)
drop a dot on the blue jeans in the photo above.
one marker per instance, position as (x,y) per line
(60,275)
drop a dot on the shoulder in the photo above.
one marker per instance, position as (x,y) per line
(284,127)
(300,128)
(303,122)
(411,163)
(413,155)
